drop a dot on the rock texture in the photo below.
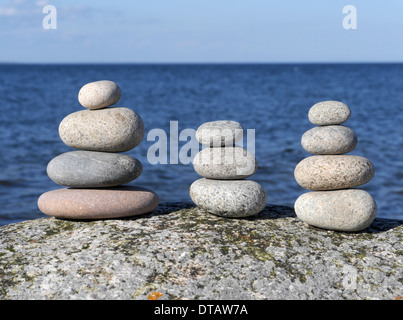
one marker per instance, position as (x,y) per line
(183,252)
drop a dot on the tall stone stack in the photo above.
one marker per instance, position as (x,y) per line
(224,189)
(335,204)
(95,174)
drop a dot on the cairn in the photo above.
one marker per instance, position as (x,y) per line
(335,203)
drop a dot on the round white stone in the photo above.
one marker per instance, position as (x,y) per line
(334,139)
(229,198)
(108,130)
(331,172)
(219,133)
(341,210)
(225,163)
(329,112)
(99,94)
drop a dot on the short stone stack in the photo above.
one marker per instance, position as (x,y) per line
(333,175)
(224,190)
(96,172)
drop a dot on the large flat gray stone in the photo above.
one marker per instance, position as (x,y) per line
(90,169)
(185,253)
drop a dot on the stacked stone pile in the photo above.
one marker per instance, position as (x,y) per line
(95,174)
(224,166)
(335,204)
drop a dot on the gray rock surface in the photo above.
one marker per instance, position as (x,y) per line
(330,172)
(185,253)
(90,169)
(229,198)
(219,133)
(343,210)
(334,139)
(107,130)
(225,163)
(99,94)
(330,112)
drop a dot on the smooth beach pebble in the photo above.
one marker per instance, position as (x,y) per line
(108,130)
(340,210)
(99,94)
(334,139)
(330,172)
(102,203)
(90,169)
(219,133)
(229,198)
(329,112)
(225,163)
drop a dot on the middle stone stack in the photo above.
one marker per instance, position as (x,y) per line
(224,190)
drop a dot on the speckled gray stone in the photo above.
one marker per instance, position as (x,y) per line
(334,139)
(90,169)
(225,163)
(99,94)
(219,133)
(186,254)
(341,210)
(108,130)
(229,198)
(330,172)
(329,112)
(98,203)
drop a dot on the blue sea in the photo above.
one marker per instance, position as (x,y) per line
(273,99)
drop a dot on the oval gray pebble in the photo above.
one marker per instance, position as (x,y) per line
(340,210)
(89,169)
(225,163)
(334,139)
(328,113)
(229,198)
(108,130)
(99,94)
(332,172)
(219,133)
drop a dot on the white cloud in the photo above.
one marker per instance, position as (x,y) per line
(16,8)
(22,7)
(41,3)
(8,11)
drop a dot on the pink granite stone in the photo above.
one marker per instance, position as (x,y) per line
(117,202)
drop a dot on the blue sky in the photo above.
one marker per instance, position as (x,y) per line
(155,31)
